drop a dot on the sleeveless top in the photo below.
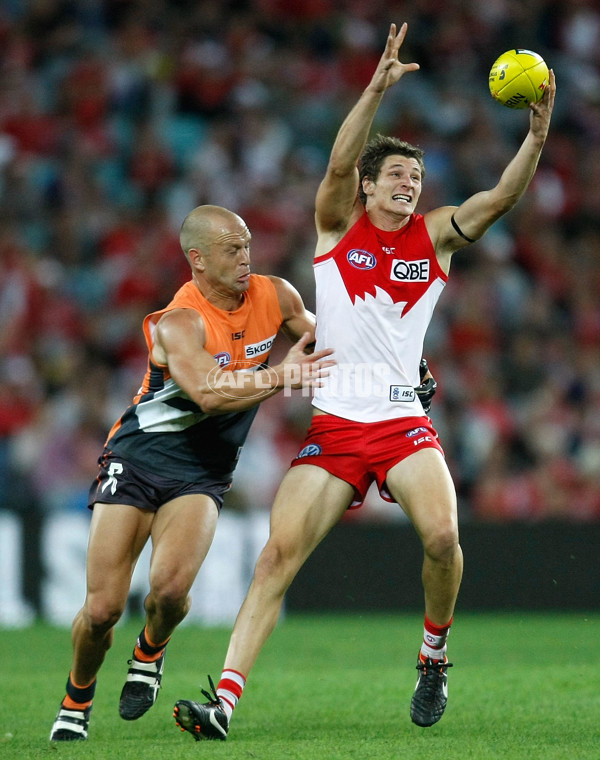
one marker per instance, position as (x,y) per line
(163,430)
(375,295)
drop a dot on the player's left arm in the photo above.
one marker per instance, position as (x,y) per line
(297,319)
(451,227)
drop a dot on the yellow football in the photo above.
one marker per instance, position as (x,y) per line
(518,78)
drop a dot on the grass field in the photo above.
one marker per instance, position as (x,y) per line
(330,688)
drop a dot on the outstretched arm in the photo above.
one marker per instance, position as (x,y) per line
(336,196)
(480,211)
(179,344)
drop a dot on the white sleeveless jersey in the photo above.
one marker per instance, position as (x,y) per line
(375,295)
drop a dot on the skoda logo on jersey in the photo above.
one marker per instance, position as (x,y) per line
(223,358)
(255,349)
(410,271)
(361,259)
(312,450)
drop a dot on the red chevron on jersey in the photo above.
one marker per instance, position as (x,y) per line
(375,296)
(401,263)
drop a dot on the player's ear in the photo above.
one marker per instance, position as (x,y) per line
(196,258)
(368,186)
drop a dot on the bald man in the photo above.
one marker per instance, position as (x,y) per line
(170,458)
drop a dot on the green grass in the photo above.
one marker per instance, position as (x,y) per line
(524,687)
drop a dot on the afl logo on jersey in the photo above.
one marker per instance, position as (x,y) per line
(223,358)
(312,450)
(361,259)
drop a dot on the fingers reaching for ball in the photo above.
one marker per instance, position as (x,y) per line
(539,117)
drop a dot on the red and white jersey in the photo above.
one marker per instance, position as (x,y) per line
(375,295)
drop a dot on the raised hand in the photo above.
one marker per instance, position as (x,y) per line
(539,118)
(390,69)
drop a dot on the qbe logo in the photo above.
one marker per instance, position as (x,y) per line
(361,259)
(312,450)
(410,271)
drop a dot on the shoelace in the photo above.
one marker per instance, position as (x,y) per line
(213,697)
(430,665)
(429,686)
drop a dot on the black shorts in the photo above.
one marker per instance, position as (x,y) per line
(120,482)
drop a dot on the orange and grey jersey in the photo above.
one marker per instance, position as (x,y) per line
(164,430)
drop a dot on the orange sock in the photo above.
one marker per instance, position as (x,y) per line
(146,650)
(78,697)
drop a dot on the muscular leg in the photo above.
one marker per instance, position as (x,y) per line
(308,504)
(182,533)
(117,536)
(423,486)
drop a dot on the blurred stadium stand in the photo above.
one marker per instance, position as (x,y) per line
(119,116)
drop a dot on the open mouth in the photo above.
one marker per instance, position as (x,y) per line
(405,198)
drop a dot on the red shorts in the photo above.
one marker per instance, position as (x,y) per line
(361,452)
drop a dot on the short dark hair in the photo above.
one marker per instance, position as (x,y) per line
(377,150)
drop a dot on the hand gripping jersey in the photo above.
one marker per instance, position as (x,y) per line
(376,292)
(164,430)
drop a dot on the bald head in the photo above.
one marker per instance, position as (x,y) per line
(203,226)
(216,243)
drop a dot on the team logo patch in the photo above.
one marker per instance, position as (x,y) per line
(410,271)
(402,393)
(416,431)
(361,259)
(223,358)
(312,450)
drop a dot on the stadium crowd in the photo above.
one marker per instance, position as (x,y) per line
(119,116)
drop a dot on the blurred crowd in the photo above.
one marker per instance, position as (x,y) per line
(117,117)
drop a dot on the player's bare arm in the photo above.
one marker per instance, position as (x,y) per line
(179,344)
(477,214)
(337,206)
(297,319)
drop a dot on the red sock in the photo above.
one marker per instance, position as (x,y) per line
(434,640)
(229,690)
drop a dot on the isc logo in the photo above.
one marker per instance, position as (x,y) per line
(410,271)
(361,259)
(402,393)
